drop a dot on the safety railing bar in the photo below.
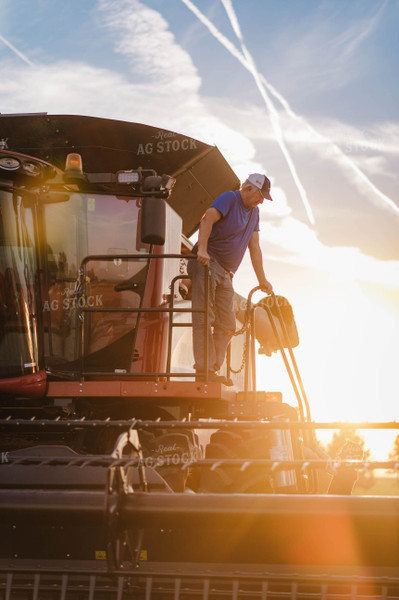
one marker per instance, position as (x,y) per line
(247,345)
(264,590)
(235,589)
(250,342)
(294,590)
(9,585)
(140,375)
(121,583)
(140,310)
(170,324)
(204,311)
(284,357)
(324,577)
(307,435)
(206,321)
(143,256)
(92,587)
(205,590)
(302,399)
(36,586)
(277,465)
(171,310)
(292,356)
(253,353)
(202,424)
(220,423)
(177,586)
(64,587)
(216,463)
(148,588)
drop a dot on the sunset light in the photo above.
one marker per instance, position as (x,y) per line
(199,299)
(339,272)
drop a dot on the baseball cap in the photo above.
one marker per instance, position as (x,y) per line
(262,183)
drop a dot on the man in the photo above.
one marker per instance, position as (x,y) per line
(227,229)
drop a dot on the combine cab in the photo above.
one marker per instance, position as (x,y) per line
(122,476)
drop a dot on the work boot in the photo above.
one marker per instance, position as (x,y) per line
(214,378)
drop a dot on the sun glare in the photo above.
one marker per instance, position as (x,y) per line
(348,344)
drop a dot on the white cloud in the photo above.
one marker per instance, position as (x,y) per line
(167,94)
(167,97)
(376,137)
(65,86)
(345,43)
(293,242)
(322,53)
(142,35)
(79,88)
(374,165)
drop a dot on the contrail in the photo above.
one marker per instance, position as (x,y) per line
(337,150)
(274,116)
(339,154)
(16,51)
(363,34)
(216,33)
(246,60)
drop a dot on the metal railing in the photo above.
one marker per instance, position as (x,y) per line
(168,310)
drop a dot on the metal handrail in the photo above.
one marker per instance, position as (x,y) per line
(205,310)
(34,423)
(270,464)
(166,310)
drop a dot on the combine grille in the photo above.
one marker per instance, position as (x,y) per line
(58,585)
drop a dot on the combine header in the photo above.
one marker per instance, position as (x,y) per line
(122,476)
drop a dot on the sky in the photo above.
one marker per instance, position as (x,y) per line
(305,91)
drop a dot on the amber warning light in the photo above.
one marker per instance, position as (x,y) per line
(73,162)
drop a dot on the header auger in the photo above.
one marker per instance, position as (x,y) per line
(122,476)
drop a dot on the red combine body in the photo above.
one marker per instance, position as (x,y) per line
(122,476)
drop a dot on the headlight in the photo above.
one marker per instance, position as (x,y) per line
(9,163)
(31,168)
(128,177)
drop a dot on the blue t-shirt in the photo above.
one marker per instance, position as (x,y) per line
(230,235)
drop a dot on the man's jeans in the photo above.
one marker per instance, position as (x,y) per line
(222,320)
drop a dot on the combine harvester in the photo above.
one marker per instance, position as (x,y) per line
(123,477)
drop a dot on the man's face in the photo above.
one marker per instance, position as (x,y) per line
(253,197)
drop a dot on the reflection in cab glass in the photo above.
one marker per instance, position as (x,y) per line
(83,305)
(18,276)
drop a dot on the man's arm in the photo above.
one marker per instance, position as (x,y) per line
(211,216)
(257,263)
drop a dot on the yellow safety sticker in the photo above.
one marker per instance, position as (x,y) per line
(101,555)
(143,555)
